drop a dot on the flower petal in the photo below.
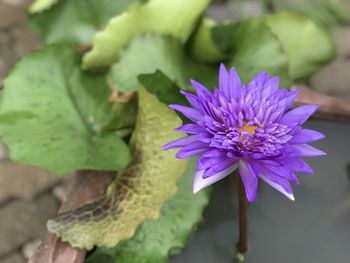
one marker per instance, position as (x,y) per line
(280,184)
(191,150)
(223,164)
(305,136)
(224,81)
(283,171)
(212,152)
(190,113)
(180,142)
(190,128)
(249,179)
(299,115)
(306,150)
(193,100)
(201,91)
(199,182)
(234,84)
(298,165)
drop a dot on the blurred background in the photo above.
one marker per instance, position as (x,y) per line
(29,196)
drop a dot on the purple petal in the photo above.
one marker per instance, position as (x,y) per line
(278,183)
(305,136)
(249,179)
(191,150)
(291,97)
(219,166)
(180,142)
(190,128)
(299,115)
(271,86)
(234,84)
(201,91)
(206,162)
(212,152)
(199,182)
(224,81)
(190,113)
(298,165)
(193,100)
(283,171)
(307,150)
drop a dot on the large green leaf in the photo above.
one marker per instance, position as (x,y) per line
(324,12)
(307,46)
(138,192)
(164,88)
(284,44)
(172,17)
(41,5)
(52,115)
(152,52)
(76,21)
(252,47)
(155,241)
(202,46)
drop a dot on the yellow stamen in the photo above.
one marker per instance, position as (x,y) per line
(249,128)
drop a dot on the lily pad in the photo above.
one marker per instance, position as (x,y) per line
(74,21)
(41,5)
(138,192)
(155,241)
(152,52)
(52,115)
(172,17)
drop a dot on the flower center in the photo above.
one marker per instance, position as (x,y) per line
(249,128)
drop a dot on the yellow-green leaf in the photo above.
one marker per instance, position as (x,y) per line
(138,192)
(41,5)
(202,46)
(172,17)
(156,241)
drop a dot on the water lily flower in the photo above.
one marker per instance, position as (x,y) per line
(249,128)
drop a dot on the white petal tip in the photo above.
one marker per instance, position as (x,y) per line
(291,197)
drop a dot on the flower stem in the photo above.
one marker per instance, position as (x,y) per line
(243,224)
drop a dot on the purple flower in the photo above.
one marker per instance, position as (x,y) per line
(246,127)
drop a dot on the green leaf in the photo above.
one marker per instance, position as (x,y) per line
(252,47)
(124,117)
(52,114)
(152,52)
(164,88)
(172,17)
(138,192)
(76,21)
(307,46)
(202,45)
(284,44)
(324,12)
(155,241)
(41,5)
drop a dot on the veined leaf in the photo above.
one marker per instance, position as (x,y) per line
(284,44)
(41,5)
(138,192)
(324,12)
(52,115)
(164,88)
(76,21)
(202,45)
(155,241)
(172,17)
(152,52)
(252,47)
(307,46)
